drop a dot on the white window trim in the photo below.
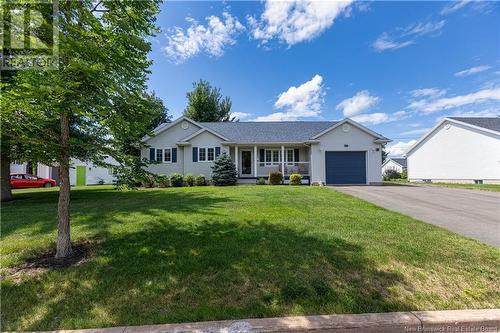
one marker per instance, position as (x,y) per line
(272,163)
(206,160)
(292,162)
(164,155)
(156,154)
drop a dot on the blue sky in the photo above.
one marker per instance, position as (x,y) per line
(396,67)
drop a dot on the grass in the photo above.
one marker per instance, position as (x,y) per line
(208,253)
(485,187)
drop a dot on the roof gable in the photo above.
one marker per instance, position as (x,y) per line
(376,135)
(490,123)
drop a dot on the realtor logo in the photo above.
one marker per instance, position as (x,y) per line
(29,35)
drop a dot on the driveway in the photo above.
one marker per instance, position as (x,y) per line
(472,213)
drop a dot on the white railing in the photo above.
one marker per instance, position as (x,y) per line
(302,168)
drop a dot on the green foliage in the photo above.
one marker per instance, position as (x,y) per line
(176,180)
(275,178)
(189,179)
(295,179)
(391,174)
(261,181)
(224,171)
(205,103)
(200,180)
(404,174)
(163,181)
(147,180)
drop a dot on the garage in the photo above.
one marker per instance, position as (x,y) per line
(345,167)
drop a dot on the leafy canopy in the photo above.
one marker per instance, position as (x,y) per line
(205,103)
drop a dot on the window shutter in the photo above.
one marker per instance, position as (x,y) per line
(174,155)
(152,153)
(217,152)
(296,155)
(262,157)
(195,154)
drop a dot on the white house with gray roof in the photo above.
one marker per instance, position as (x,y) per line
(327,152)
(457,149)
(394,163)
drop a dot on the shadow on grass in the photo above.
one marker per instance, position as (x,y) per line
(172,272)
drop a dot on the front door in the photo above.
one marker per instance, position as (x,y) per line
(246,162)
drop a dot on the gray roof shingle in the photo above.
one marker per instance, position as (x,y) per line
(400,160)
(283,131)
(491,123)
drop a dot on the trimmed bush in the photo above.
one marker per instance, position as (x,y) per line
(224,171)
(176,180)
(261,181)
(147,180)
(391,174)
(275,178)
(162,181)
(200,180)
(404,175)
(189,179)
(295,179)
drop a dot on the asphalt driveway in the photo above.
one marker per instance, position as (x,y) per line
(472,213)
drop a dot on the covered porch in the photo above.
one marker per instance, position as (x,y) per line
(256,161)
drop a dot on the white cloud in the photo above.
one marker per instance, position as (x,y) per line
(357,104)
(211,39)
(295,21)
(453,6)
(379,117)
(491,112)
(400,148)
(406,36)
(303,101)
(445,103)
(478,6)
(241,115)
(428,92)
(472,70)
(418,131)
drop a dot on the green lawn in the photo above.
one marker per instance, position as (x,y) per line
(485,187)
(207,253)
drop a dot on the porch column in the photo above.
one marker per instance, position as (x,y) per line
(283,161)
(236,159)
(255,161)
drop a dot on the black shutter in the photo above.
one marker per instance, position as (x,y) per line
(174,155)
(296,155)
(217,152)
(195,154)
(152,154)
(262,157)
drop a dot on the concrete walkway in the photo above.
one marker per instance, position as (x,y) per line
(415,321)
(472,213)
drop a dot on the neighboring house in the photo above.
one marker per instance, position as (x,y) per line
(458,149)
(394,163)
(327,152)
(80,173)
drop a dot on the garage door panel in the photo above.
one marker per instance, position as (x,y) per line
(345,167)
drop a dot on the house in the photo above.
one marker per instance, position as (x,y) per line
(394,163)
(457,149)
(80,173)
(325,152)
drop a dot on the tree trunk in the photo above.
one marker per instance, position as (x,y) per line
(63,231)
(6,193)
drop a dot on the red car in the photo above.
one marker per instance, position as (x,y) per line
(23,180)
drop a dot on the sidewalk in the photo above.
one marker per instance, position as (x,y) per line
(415,321)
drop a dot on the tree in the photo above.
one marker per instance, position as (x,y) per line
(205,103)
(224,171)
(384,153)
(78,110)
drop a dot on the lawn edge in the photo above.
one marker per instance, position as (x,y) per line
(411,321)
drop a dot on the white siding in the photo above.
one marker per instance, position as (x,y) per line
(94,174)
(205,139)
(456,153)
(391,165)
(357,140)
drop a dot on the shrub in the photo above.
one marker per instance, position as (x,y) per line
(189,179)
(200,180)
(404,174)
(224,171)
(261,181)
(295,179)
(176,180)
(391,174)
(147,180)
(162,181)
(275,178)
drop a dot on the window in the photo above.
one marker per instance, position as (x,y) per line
(159,155)
(206,154)
(167,155)
(16,176)
(290,156)
(273,156)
